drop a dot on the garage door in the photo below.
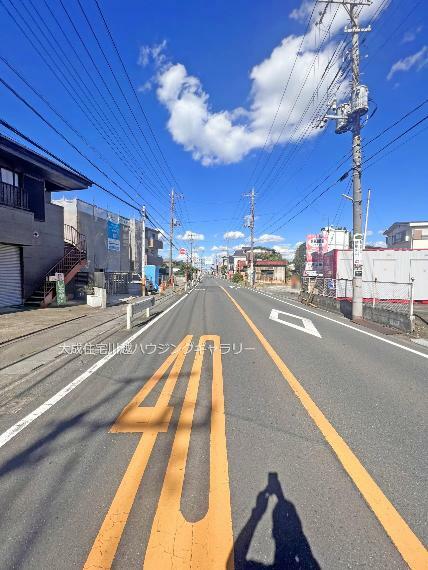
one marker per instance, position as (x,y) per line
(10,275)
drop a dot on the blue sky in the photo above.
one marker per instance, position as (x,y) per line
(210,76)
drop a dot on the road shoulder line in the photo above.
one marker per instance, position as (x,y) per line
(407,543)
(13,431)
(391,342)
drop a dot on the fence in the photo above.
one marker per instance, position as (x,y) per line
(116,282)
(388,295)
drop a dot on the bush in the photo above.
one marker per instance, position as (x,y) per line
(237,278)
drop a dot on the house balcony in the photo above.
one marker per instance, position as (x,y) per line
(13,196)
(155,243)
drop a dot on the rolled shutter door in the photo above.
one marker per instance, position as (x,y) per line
(10,275)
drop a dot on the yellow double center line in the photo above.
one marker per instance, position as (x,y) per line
(406,542)
(174,542)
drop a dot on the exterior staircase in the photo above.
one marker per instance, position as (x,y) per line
(73,260)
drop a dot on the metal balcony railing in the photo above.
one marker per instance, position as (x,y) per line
(74,238)
(13,196)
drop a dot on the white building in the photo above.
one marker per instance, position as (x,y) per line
(317,245)
(113,241)
(407,235)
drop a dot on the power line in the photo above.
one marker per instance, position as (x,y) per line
(347,156)
(282,95)
(63,137)
(104,82)
(119,87)
(134,92)
(346,174)
(93,182)
(69,89)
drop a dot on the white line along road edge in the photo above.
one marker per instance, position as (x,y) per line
(308,325)
(22,424)
(423,354)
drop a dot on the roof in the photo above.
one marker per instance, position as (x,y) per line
(239,252)
(271,263)
(411,224)
(30,162)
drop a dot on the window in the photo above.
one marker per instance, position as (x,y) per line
(399,237)
(9,177)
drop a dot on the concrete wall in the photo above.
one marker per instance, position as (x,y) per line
(16,226)
(378,315)
(47,249)
(91,221)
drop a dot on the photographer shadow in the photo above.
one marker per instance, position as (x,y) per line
(292,549)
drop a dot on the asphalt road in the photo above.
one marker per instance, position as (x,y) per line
(228,433)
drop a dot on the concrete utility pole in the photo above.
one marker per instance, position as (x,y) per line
(348,118)
(250,224)
(171,235)
(191,255)
(173,224)
(143,251)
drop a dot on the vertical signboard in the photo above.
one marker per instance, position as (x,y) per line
(358,255)
(316,246)
(61,299)
(113,236)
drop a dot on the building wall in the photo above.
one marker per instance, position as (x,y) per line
(277,274)
(152,253)
(408,236)
(91,221)
(47,248)
(16,226)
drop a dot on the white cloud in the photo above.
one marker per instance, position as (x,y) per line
(233,235)
(147,86)
(302,13)
(200,248)
(218,248)
(369,232)
(227,136)
(418,60)
(268,238)
(155,53)
(380,232)
(188,235)
(411,35)
(286,250)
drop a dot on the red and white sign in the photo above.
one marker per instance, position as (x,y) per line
(182,251)
(316,246)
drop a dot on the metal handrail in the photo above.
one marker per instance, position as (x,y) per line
(75,238)
(64,265)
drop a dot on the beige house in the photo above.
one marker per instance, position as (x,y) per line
(407,235)
(270,271)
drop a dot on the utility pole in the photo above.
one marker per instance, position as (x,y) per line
(250,224)
(348,118)
(173,224)
(143,251)
(191,256)
(171,235)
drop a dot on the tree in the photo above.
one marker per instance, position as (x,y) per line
(237,278)
(300,258)
(268,256)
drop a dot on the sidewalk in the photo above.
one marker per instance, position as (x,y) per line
(30,338)
(29,321)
